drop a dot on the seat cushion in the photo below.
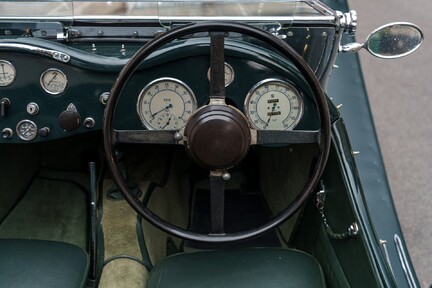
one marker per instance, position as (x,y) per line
(269,268)
(36,263)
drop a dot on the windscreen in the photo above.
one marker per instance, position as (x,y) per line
(162,11)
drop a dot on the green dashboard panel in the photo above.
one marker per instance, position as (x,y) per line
(89,75)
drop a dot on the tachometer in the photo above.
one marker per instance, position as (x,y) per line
(273,104)
(166,104)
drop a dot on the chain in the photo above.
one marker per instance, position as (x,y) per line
(353,229)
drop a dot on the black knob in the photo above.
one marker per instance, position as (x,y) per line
(69,120)
(43,132)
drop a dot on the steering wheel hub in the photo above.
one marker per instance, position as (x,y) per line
(218,137)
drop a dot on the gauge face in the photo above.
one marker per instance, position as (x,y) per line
(273,105)
(26,130)
(229,74)
(7,73)
(166,104)
(53,81)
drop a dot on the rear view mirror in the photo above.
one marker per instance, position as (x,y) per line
(390,41)
(394,40)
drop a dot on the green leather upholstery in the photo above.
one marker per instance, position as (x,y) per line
(267,268)
(36,263)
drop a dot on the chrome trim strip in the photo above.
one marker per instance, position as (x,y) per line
(56,55)
(383,244)
(404,262)
(182,18)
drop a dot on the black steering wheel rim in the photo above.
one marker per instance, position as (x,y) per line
(284,49)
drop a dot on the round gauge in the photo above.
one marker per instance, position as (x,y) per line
(273,105)
(166,104)
(7,73)
(26,130)
(229,74)
(53,81)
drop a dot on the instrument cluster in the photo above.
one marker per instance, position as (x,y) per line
(271,104)
(163,103)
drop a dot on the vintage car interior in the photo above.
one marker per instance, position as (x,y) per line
(179,144)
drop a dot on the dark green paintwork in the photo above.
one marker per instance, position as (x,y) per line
(347,86)
(90,75)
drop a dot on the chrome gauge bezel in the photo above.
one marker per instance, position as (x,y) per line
(46,88)
(142,112)
(20,133)
(228,68)
(9,81)
(282,82)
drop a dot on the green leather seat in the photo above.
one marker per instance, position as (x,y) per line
(36,263)
(268,268)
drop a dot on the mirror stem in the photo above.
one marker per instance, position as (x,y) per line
(351,47)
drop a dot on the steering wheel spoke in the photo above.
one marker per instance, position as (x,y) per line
(217,66)
(146,137)
(217,202)
(286,137)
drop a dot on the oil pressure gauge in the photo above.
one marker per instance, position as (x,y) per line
(273,104)
(26,130)
(7,73)
(53,81)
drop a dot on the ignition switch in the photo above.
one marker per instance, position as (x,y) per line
(32,108)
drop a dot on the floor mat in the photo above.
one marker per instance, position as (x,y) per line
(50,210)
(242,212)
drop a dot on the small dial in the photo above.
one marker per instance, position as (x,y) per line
(273,105)
(53,81)
(167,121)
(166,104)
(229,74)
(7,73)
(26,130)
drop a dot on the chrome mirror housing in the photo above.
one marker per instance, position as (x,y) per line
(393,40)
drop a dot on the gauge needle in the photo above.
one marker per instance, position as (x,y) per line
(4,73)
(273,108)
(166,107)
(55,75)
(168,122)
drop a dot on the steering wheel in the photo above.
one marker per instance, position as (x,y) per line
(217,136)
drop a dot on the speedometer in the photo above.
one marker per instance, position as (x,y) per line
(273,104)
(166,104)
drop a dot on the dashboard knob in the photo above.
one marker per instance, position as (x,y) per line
(89,122)
(4,104)
(7,133)
(69,120)
(43,132)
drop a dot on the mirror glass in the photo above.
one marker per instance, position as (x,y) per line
(394,40)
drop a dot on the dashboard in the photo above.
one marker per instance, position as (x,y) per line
(45,98)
